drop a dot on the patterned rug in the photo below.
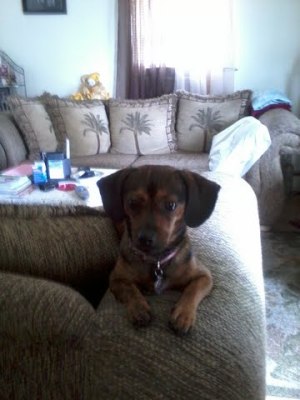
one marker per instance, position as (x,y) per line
(281,261)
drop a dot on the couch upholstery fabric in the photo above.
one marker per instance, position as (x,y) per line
(45,242)
(195,162)
(266,176)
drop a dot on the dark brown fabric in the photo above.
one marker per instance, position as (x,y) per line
(134,80)
(124,50)
(159,81)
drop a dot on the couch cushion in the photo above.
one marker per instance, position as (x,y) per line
(109,160)
(199,118)
(193,161)
(143,126)
(85,123)
(35,125)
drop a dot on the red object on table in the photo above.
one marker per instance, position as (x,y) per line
(66,187)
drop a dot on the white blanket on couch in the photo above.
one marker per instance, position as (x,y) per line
(235,149)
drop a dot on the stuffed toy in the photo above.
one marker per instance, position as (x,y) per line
(91,88)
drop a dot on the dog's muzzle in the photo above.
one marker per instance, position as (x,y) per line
(146,240)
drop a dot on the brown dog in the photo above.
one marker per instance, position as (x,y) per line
(157,203)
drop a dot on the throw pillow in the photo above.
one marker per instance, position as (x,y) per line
(201,117)
(35,125)
(143,126)
(84,123)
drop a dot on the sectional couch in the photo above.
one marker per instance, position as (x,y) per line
(64,337)
(62,334)
(175,129)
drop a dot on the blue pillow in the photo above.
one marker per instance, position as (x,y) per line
(265,98)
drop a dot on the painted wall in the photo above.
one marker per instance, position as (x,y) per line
(55,50)
(268,46)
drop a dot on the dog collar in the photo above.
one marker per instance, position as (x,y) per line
(168,257)
(159,263)
(159,273)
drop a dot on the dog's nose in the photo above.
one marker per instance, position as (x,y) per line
(146,240)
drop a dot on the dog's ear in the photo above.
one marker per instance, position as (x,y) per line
(201,198)
(111,192)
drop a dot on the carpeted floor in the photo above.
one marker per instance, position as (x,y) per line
(281,262)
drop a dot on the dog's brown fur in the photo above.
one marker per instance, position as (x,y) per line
(157,203)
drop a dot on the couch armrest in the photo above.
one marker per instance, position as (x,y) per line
(38,311)
(12,147)
(280,121)
(266,177)
(73,245)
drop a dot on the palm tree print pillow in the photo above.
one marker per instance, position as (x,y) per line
(35,125)
(85,123)
(143,126)
(201,117)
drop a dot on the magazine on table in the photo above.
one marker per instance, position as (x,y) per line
(13,185)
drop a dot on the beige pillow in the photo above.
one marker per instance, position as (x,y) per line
(199,118)
(143,126)
(84,123)
(35,125)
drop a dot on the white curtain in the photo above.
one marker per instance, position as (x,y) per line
(193,36)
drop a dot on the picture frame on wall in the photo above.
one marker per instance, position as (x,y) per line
(44,6)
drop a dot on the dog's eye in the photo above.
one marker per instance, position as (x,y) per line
(170,205)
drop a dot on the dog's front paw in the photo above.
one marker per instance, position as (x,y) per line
(139,314)
(182,320)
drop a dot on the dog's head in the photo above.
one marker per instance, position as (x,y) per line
(157,202)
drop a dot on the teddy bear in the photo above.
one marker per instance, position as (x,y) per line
(91,88)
